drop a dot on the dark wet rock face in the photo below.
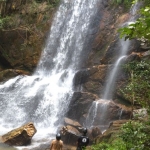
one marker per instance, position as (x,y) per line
(80,104)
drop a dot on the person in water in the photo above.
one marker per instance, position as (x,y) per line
(57,144)
(83,140)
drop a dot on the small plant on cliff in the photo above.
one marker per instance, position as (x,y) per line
(4,21)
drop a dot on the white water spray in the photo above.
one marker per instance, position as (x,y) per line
(43,98)
(91,115)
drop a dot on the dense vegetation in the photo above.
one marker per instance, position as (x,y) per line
(134,135)
(5,20)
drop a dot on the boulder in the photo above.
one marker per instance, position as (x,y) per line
(102,112)
(20,136)
(70,135)
(91,79)
(79,106)
(93,132)
(72,122)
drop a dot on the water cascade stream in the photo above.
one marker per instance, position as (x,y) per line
(124,48)
(109,88)
(43,98)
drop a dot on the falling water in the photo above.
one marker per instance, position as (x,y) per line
(95,116)
(43,98)
(124,48)
(91,114)
(112,77)
(120,114)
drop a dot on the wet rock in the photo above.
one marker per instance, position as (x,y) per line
(71,122)
(21,136)
(95,79)
(107,111)
(95,132)
(79,106)
(10,73)
(70,135)
(6,147)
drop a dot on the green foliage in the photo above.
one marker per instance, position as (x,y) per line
(135,136)
(4,21)
(139,84)
(140,29)
(117,144)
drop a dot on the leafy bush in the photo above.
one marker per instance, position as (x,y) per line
(118,144)
(138,87)
(140,29)
(4,21)
(134,136)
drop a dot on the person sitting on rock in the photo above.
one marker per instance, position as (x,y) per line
(83,140)
(57,144)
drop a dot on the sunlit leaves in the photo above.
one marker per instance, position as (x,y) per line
(135,135)
(140,29)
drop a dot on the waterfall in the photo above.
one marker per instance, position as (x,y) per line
(43,98)
(91,114)
(102,107)
(124,48)
(98,107)
(109,89)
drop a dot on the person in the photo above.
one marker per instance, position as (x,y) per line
(83,140)
(57,144)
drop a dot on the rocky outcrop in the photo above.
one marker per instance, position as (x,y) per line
(21,136)
(21,42)
(91,79)
(108,111)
